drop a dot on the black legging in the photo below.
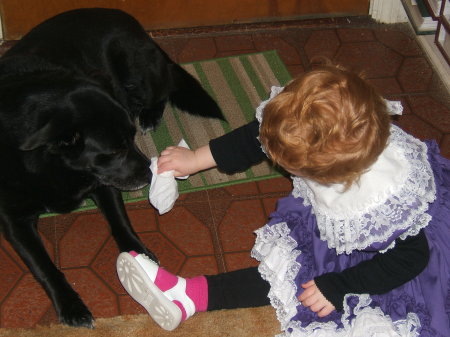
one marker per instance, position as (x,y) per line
(242,288)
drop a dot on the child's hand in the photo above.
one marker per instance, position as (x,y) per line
(313,299)
(179,159)
(184,161)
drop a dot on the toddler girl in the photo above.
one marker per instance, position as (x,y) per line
(361,245)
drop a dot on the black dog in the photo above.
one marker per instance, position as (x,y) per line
(70,92)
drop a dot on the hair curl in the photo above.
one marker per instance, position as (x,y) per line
(328,125)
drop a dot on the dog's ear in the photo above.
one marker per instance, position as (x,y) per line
(52,135)
(38,138)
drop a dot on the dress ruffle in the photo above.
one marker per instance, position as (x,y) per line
(277,252)
(291,252)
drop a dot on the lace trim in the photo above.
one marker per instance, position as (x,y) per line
(275,249)
(274,91)
(367,321)
(277,252)
(399,207)
(394,107)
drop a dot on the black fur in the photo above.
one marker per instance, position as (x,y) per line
(70,91)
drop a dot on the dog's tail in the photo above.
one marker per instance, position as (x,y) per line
(188,95)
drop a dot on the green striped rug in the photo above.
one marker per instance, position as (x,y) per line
(238,84)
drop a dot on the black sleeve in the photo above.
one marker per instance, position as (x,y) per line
(382,273)
(239,149)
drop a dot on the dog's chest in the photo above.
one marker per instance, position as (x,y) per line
(61,197)
(62,205)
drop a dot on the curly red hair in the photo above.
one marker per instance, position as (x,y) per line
(328,125)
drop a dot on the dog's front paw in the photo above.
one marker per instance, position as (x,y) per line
(76,314)
(149,254)
(140,248)
(131,243)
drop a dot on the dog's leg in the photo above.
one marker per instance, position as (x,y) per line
(150,118)
(187,94)
(110,202)
(25,239)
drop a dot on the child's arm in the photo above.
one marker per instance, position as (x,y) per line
(233,152)
(239,149)
(184,161)
(381,274)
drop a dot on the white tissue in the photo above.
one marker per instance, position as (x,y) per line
(163,191)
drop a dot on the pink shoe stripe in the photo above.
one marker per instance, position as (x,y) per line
(133,253)
(183,312)
(165,280)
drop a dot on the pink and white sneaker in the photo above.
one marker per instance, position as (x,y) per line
(164,297)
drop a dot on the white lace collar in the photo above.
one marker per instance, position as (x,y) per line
(392,196)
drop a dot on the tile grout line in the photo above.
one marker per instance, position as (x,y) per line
(218,250)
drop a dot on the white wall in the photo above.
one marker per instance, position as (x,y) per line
(1,30)
(387,11)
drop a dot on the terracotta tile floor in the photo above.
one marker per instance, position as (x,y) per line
(211,231)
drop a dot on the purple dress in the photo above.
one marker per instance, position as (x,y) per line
(312,232)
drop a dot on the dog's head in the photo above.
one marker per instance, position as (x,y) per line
(89,132)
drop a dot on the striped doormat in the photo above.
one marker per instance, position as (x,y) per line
(238,84)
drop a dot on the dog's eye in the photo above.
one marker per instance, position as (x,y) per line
(130,86)
(70,141)
(107,158)
(121,152)
(102,160)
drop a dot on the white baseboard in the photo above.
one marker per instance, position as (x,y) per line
(1,30)
(434,55)
(392,11)
(387,11)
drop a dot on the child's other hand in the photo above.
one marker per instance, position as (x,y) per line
(313,299)
(179,159)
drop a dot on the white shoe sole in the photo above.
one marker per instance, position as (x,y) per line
(141,288)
